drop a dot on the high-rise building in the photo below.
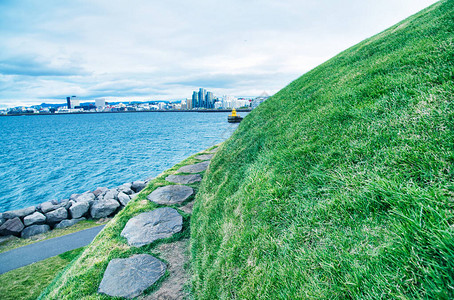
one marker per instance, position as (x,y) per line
(202,99)
(209,100)
(68,102)
(100,103)
(195,99)
(188,103)
(74,102)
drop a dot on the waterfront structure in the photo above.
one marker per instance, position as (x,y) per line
(232,102)
(100,103)
(260,99)
(72,102)
(209,100)
(195,99)
(202,99)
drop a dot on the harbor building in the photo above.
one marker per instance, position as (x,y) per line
(202,99)
(100,103)
(195,99)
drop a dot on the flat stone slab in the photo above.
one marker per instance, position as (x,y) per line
(129,277)
(150,226)
(214,150)
(196,168)
(205,156)
(184,179)
(170,194)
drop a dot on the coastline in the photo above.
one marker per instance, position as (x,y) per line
(133,111)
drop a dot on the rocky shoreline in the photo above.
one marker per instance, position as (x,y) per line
(100,203)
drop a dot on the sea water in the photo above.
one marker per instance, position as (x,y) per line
(50,157)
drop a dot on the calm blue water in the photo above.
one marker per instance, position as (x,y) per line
(51,157)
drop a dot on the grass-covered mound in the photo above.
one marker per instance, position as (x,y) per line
(342,184)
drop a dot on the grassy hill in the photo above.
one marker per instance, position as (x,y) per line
(342,184)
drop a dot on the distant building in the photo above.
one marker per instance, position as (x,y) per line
(209,100)
(100,103)
(68,102)
(195,99)
(202,99)
(260,99)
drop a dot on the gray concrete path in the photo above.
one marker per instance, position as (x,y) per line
(29,254)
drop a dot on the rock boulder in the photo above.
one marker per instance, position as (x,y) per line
(34,230)
(123,198)
(137,186)
(103,208)
(100,191)
(111,194)
(48,206)
(35,218)
(73,196)
(79,209)
(67,223)
(126,188)
(86,197)
(12,227)
(57,215)
(19,213)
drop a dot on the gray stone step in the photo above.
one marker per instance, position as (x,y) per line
(205,156)
(147,227)
(129,277)
(195,168)
(184,179)
(170,194)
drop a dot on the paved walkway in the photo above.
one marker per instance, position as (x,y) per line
(29,254)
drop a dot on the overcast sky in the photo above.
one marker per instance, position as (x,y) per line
(148,50)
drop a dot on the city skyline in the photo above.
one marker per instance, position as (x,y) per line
(160,50)
(201,99)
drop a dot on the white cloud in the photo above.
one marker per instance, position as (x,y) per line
(165,49)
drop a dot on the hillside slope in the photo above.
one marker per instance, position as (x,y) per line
(342,184)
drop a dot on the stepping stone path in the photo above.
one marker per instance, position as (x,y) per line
(196,168)
(150,226)
(184,179)
(205,156)
(129,277)
(170,194)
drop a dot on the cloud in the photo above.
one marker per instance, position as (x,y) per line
(166,49)
(33,66)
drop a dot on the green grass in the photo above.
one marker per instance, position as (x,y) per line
(18,242)
(28,282)
(82,277)
(340,186)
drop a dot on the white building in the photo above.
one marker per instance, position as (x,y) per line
(74,102)
(230,102)
(257,101)
(100,103)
